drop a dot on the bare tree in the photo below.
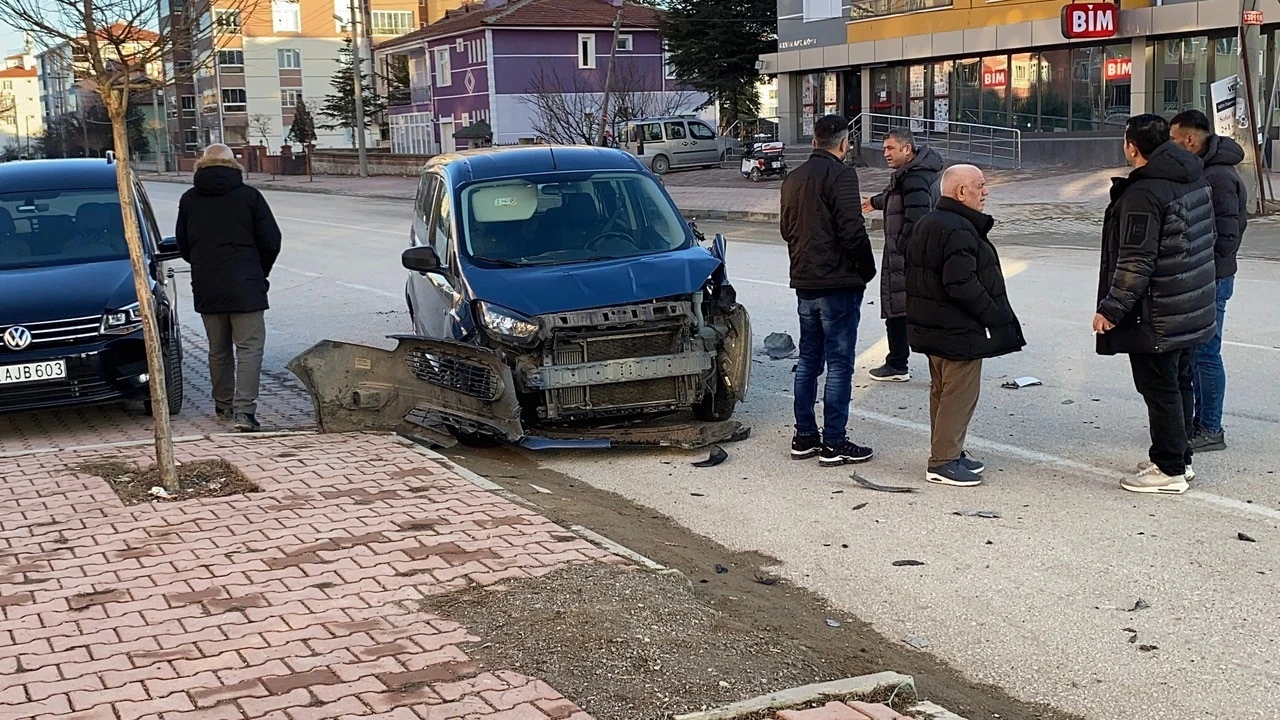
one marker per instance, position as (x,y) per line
(113,46)
(261,125)
(567,108)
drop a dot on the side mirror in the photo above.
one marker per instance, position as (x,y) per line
(167,249)
(420,258)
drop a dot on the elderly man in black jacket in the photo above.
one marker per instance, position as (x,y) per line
(1156,290)
(831,264)
(958,314)
(1221,155)
(912,193)
(228,234)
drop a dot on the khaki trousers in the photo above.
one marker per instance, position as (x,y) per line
(954,386)
(236,344)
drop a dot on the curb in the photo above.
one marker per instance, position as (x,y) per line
(862,685)
(932,711)
(772,218)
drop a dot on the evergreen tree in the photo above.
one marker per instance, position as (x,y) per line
(340,107)
(714,46)
(303,129)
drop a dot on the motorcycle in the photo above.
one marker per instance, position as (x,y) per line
(764,159)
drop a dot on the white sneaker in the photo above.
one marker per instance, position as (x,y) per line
(1155,481)
(1150,468)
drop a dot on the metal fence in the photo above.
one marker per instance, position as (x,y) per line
(974,143)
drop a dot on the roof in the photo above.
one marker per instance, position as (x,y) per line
(534,13)
(477,131)
(18,72)
(523,160)
(71,174)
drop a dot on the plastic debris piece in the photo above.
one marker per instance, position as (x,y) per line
(918,642)
(859,506)
(766,579)
(1021,382)
(720,569)
(694,494)
(833,623)
(779,346)
(541,489)
(1244,538)
(160,492)
(1140,605)
(1148,648)
(907,563)
(717,456)
(880,488)
(979,513)
(1068,402)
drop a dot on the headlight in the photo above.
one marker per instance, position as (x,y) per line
(507,324)
(122,321)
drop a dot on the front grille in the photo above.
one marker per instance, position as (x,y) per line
(659,391)
(620,347)
(455,373)
(574,348)
(82,385)
(58,332)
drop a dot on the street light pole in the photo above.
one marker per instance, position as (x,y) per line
(357,76)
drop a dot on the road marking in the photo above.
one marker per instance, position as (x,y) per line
(398,233)
(1250,345)
(299,272)
(759,282)
(366,288)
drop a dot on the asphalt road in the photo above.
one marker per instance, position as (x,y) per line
(1038,601)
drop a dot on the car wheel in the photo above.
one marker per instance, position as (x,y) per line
(717,406)
(173,374)
(413,322)
(755,174)
(661,165)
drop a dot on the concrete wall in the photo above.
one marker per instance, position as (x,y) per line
(346,163)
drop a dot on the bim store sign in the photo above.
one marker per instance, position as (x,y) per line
(1090,21)
(1117,69)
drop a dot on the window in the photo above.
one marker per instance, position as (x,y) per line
(290,97)
(426,196)
(651,132)
(231,60)
(625,43)
(341,15)
(587,51)
(8,84)
(92,222)
(234,100)
(440,228)
(285,16)
(864,9)
(289,59)
(675,131)
(821,10)
(667,66)
(444,73)
(190,139)
(701,132)
(392,22)
(184,66)
(188,106)
(227,20)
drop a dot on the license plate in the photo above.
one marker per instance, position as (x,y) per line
(777,165)
(33,372)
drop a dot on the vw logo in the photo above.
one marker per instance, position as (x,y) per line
(17,338)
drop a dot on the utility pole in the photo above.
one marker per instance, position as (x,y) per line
(608,78)
(357,75)
(1248,125)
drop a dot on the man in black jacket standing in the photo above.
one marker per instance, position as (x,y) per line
(831,264)
(958,314)
(1220,155)
(1156,290)
(228,234)
(912,193)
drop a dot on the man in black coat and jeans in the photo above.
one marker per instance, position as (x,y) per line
(228,234)
(1156,290)
(958,314)
(831,264)
(1221,155)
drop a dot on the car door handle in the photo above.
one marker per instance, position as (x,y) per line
(686,143)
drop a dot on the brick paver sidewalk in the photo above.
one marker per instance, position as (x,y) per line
(296,603)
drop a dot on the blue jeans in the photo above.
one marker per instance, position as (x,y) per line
(1209,377)
(828,336)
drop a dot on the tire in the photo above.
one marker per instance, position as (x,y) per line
(717,406)
(173,373)
(661,165)
(755,175)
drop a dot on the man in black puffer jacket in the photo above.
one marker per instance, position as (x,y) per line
(958,314)
(1156,290)
(1221,155)
(228,234)
(831,264)
(912,193)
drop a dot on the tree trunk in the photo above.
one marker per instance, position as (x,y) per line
(116,107)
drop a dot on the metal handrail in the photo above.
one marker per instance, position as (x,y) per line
(975,139)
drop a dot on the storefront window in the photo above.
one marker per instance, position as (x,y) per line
(1086,89)
(965,97)
(917,82)
(995,91)
(1117,86)
(1024,89)
(889,91)
(820,95)
(1182,75)
(941,95)
(1055,91)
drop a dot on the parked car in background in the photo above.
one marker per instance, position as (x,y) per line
(674,143)
(556,295)
(70,326)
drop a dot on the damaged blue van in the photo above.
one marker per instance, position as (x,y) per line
(557,298)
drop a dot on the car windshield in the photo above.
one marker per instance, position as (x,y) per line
(60,227)
(597,216)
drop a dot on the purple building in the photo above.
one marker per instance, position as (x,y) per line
(510,71)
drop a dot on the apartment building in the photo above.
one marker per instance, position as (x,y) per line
(1064,74)
(63,71)
(252,67)
(21,115)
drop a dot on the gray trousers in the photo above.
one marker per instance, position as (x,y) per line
(235,377)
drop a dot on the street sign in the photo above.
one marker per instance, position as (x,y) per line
(1089,20)
(1252,17)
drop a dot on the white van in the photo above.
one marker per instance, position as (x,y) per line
(671,143)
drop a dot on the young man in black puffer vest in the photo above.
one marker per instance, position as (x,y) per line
(1157,290)
(958,314)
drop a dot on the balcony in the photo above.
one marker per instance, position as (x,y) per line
(869,9)
(402,97)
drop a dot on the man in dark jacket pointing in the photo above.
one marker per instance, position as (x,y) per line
(1220,155)
(958,314)
(228,234)
(1156,290)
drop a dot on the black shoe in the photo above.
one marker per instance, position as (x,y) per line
(1205,441)
(968,463)
(885,373)
(846,453)
(804,447)
(223,413)
(247,423)
(953,473)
